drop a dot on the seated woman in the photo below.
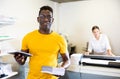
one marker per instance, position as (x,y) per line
(99,44)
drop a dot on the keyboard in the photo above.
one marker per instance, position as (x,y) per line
(102,57)
(113,65)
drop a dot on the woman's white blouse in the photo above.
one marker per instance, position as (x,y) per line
(100,45)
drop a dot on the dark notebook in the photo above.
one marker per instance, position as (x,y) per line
(21,52)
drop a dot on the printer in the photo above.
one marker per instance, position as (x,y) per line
(101,60)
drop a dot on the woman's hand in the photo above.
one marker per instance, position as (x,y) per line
(86,53)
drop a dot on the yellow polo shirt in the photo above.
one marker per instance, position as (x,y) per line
(45,49)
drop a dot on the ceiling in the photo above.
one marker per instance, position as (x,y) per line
(62,1)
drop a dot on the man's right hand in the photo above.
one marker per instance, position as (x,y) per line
(20,58)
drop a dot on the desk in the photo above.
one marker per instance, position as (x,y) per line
(91,69)
(105,71)
(92,72)
(77,75)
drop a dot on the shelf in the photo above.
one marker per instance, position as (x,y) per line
(6,20)
(3,38)
(3,54)
(10,75)
(64,1)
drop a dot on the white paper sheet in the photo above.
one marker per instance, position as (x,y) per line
(52,70)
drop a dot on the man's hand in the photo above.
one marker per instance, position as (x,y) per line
(20,58)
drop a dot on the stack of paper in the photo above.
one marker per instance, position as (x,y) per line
(52,70)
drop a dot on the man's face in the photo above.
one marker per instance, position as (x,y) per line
(45,19)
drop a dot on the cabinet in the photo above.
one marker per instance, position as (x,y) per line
(71,49)
(5,68)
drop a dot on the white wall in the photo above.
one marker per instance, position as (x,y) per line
(74,19)
(77,18)
(25,12)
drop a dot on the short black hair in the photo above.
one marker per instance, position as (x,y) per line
(95,27)
(46,8)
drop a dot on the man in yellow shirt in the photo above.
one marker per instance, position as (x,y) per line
(44,45)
